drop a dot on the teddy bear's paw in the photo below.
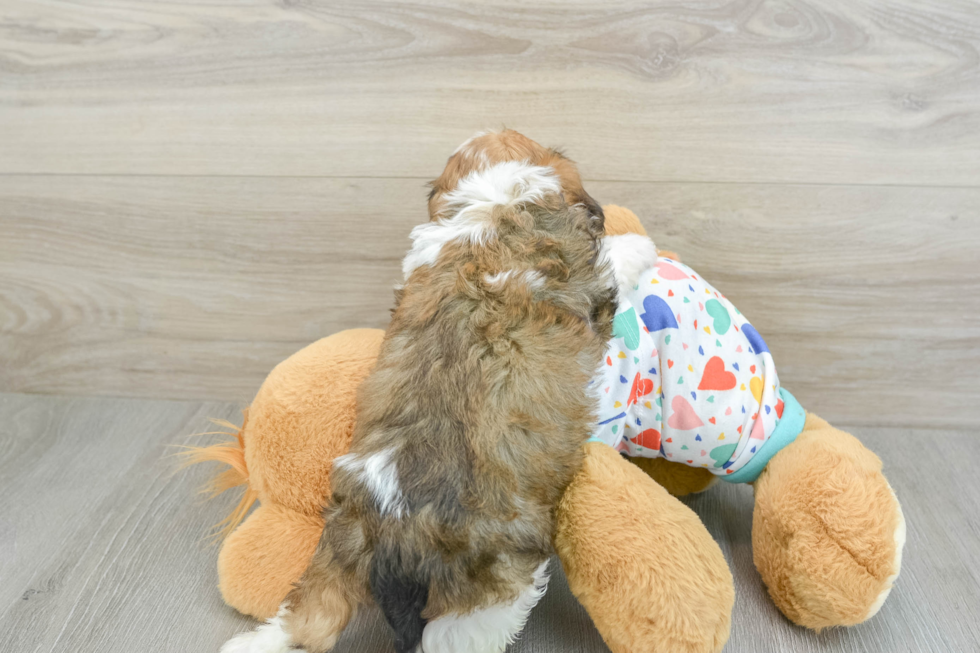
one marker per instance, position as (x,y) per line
(270,637)
(628,256)
(828,531)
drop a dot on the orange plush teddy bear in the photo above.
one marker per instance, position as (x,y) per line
(827,530)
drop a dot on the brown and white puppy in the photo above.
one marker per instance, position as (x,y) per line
(470,426)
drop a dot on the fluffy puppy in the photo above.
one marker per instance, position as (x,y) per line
(469,428)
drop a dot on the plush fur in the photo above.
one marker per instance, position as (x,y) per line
(627,255)
(612,522)
(677,478)
(822,505)
(264,557)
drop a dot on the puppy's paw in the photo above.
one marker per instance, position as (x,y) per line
(628,256)
(270,637)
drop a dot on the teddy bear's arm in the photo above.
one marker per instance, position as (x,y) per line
(611,522)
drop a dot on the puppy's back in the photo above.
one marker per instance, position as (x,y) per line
(469,428)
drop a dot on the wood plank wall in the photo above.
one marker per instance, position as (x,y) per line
(191,192)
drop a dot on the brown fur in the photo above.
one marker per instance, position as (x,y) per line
(487,149)
(677,478)
(641,562)
(823,529)
(479,395)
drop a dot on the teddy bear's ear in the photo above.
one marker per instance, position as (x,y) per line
(620,220)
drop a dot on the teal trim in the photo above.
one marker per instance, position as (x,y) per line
(595,439)
(790,425)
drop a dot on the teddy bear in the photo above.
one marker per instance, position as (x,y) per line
(827,530)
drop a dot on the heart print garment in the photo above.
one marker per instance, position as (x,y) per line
(686,376)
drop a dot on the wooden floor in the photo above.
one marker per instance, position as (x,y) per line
(102,545)
(190,192)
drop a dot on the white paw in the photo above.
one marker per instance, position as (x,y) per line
(267,638)
(628,256)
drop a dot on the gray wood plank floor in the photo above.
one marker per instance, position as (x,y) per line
(102,549)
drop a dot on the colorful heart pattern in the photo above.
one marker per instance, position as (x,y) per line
(683,418)
(720,315)
(626,327)
(657,314)
(718,405)
(669,272)
(715,377)
(641,388)
(648,439)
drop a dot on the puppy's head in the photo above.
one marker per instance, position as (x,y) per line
(490,148)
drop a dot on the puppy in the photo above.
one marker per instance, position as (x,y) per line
(470,426)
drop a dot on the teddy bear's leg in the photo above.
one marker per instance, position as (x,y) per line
(827,531)
(641,562)
(262,559)
(677,478)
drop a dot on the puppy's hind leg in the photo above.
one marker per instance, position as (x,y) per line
(321,606)
(488,630)
(270,637)
(312,616)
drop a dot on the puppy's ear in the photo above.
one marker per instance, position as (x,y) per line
(572,184)
(458,165)
(595,210)
(435,193)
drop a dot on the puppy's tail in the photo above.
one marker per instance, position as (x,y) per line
(401,599)
(232,454)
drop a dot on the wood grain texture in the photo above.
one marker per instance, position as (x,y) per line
(869,297)
(841,91)
(101,546)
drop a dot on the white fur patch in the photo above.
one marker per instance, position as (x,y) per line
(532,278)
(270,637)
(900,534)
(489,630)
(470,205)
(379,474)
(628,256)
